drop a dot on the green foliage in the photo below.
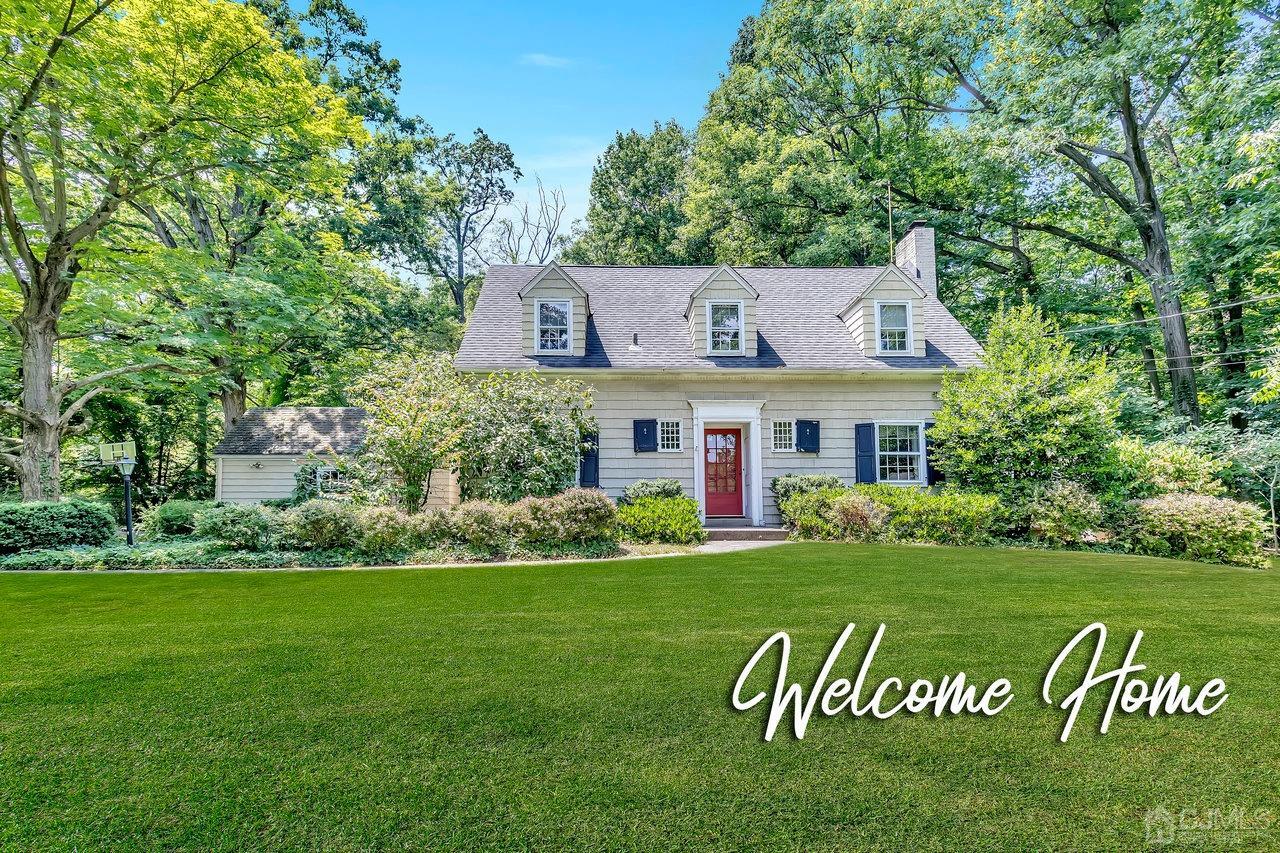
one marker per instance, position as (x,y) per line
(480,525)
(1197,527)
(417,417)
(946,517)
(54,524)
(523,436)
(634,213)
(1032,413)
(324,524)
(241,527)
(573,517)
(173,518)
(1136,469)
(1062,513)
(386,530)
(892,513)
(431,528)
(671,520)
(787,485)
(661,488)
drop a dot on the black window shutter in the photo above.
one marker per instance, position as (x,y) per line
(864,439)
(807,436)
(589,463)
(645,434)
(933,475)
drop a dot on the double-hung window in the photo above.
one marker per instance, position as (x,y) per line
(900,453)
(555,325)
(893,327)
(724,328)
(670,436)
(784,436)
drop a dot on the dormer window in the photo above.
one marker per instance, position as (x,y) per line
(893,328)
(555,331)
(724,328)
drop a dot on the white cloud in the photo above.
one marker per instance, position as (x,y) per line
(545,60)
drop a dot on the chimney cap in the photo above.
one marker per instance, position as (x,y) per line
(917,223)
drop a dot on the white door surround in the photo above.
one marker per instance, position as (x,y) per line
(730,413)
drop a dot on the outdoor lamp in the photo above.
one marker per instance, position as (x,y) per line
(126,466)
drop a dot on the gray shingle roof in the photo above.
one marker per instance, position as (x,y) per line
(295,431)
(796,320)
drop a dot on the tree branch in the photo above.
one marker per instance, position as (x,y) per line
(94,378)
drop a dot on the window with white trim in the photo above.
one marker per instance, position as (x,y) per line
(784,436)
(893,327)
(670,436)
(554,325)
(724,327)
(900,453)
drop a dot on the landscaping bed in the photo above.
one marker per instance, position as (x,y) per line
(586,705)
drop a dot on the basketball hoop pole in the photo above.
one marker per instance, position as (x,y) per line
(126,470)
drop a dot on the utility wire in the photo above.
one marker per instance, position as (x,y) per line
(1156,318)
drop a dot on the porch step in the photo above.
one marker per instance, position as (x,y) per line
(745,534)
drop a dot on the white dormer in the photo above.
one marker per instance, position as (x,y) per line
(887,319)
(722,315)
(556,309)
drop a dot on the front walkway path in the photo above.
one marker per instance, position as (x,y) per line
(724,546)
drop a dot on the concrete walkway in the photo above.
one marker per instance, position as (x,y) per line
(725,546)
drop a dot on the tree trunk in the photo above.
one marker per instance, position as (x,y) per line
(234,398)
(1148,354)
(459,284)
(39,464)
(202,437)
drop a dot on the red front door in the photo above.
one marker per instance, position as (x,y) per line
(724,471)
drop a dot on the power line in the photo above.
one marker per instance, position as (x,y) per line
(1156,319)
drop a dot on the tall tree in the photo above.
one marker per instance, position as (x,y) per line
(637,190)
(103,104)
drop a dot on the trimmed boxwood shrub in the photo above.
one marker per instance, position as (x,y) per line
(244,527)
(669,520)
(788,485)
(173,518)
(661,488)
(54,524)
(322,524)
(1197,527)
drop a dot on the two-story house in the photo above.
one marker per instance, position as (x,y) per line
(725,377)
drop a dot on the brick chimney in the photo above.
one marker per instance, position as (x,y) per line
(914,255)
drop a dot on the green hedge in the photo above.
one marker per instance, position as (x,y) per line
(894,513)
(669,520)
(54,524)
(665,487)
(173,518)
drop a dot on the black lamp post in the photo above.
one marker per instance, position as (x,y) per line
(126,466)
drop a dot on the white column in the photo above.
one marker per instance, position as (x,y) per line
(757,473)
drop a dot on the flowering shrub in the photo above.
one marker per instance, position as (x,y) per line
(810,513)
(385,530)
(1062,512)
(481,525)
(244,527)
(673,520)
(1197,527)
(661,488)
(322,524)
(892,513)
(857,517)
(430,528)
(575,516)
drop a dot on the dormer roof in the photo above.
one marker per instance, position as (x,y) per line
(885,273)
(711,279)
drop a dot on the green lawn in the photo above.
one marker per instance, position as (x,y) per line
(587,705)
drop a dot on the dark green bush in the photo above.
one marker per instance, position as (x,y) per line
(173,518)
(789,485)
(54,524)
(1197,527)
(661,488)
(670,520)
(322,524)
(243,527)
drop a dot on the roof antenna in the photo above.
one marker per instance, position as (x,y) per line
(891,247)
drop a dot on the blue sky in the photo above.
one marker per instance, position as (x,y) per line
(556,80)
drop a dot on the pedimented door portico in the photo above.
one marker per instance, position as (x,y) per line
(719,422)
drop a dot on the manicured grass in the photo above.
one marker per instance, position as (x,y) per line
(587,705)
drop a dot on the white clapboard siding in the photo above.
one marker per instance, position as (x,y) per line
(836,404)
(239,481)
